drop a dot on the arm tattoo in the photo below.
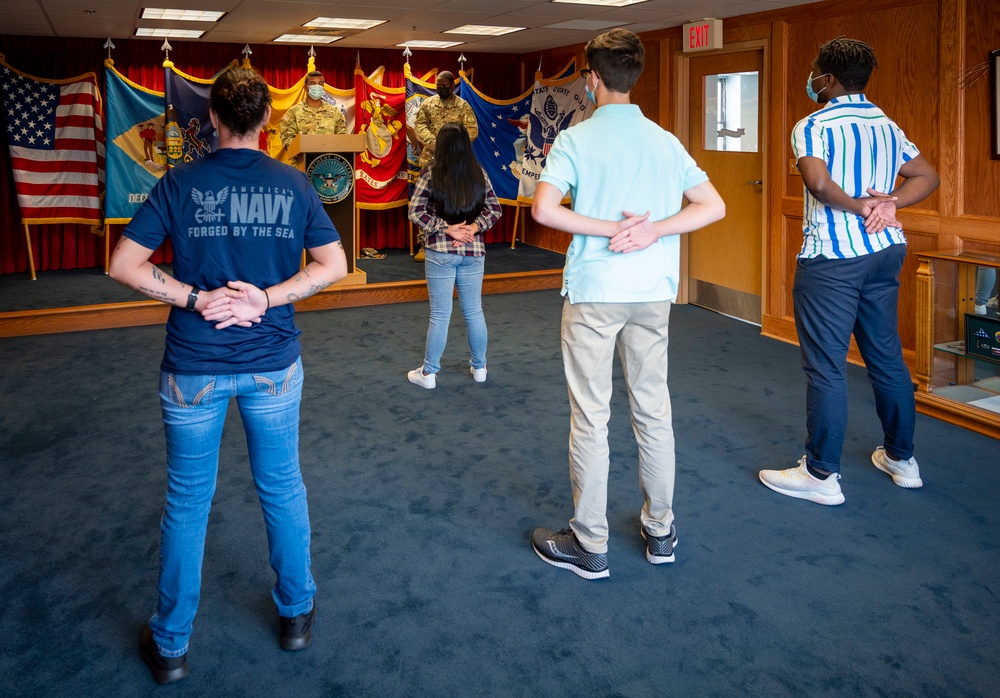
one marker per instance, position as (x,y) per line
(158,275)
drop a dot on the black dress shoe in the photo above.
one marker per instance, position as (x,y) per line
(296,633)
(165,669)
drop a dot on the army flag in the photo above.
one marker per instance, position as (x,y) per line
(55,133)
(555,106)
(136,146)
(379,115)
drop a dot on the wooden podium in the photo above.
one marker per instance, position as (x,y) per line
(307,147)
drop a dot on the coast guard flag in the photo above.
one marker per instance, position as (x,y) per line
(137,154)
(56,138)
(555,106)
(190,97)
(379,115)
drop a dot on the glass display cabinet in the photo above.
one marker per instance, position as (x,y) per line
(958,340)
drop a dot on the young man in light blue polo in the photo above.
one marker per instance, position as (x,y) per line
(627,178)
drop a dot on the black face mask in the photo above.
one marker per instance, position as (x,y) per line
(444,92)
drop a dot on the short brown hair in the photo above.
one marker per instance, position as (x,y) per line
(617,56)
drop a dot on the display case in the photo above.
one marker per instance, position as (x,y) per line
(958,342)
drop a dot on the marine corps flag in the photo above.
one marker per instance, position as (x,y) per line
(136,146)
(379,115)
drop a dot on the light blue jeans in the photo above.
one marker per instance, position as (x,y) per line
(986,279)
(444,272)
(194,412)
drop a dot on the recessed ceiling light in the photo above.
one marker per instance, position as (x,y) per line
(307,39)
(483,30)
(181,15)
(341,23)
(602,3)
(170,33)
(430,44)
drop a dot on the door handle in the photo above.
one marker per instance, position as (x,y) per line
(756,182)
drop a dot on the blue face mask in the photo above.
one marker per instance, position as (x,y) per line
(316,91)
(590,95)
(813,94)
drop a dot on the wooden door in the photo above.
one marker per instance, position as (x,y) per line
(724,259)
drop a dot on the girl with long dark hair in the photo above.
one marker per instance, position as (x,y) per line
(454,204)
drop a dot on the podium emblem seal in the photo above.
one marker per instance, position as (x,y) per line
(332,177)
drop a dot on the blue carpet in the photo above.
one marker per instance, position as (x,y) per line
(422,502)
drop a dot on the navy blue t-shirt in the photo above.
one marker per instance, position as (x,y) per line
(235,215)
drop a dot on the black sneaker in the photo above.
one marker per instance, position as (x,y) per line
(562,549)
(165,669)
(296,633)
(659,549)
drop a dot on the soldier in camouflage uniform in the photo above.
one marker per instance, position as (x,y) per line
(435,111)
(440,109)
(311,115)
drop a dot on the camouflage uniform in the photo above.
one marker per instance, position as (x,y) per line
(433,114)
(301,118)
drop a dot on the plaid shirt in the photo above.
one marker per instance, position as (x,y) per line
(424,215)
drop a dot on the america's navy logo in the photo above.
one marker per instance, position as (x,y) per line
(332,177)
(210,205)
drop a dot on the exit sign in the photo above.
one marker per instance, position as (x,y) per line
(702,35)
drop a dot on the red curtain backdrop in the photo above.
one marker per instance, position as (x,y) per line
(74,246)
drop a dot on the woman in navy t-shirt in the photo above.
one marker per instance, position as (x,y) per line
(238,222)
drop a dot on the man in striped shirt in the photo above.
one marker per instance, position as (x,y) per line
(847,276)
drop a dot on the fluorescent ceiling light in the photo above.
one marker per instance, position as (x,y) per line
(341,23)
(602,3)
(181,15)
(430,44)
(170,33)
(307,39)
(483,30)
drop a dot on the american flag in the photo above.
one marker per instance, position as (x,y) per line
(56,140)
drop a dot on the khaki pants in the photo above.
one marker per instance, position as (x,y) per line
(590,333)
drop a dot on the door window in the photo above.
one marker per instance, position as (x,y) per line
(731,108)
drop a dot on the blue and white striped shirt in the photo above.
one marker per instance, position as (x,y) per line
(862,148)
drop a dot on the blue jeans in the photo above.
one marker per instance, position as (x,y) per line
(444,272)
(833,298)
(986,279)
(194,412)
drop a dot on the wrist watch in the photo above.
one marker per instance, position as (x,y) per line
(192,299)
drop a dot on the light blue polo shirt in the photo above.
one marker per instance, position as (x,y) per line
(618,160)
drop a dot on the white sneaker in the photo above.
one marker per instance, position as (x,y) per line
(417,377)
(799,483)
(980,309)
(478,374)
(905,473)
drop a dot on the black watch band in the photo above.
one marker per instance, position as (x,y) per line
(192,299)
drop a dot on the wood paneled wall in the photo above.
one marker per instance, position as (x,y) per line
(922,46)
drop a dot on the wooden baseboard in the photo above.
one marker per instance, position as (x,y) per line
(24,323)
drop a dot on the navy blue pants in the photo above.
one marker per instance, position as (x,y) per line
(833,298)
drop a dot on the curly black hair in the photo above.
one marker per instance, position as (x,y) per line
(849,60)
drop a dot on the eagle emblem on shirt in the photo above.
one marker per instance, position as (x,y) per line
(209,205)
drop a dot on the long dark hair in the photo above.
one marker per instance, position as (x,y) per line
(239,98)
(458,185)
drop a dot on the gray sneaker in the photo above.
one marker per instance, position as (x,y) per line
(799,483)
(562,549)
(659,549)
(905,473)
